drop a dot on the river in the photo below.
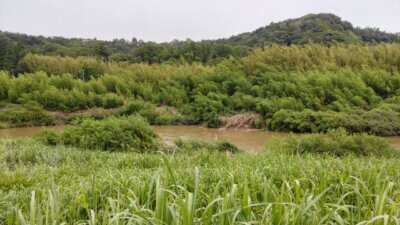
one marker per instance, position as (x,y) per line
(249,140)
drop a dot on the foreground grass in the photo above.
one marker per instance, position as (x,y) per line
(53,185)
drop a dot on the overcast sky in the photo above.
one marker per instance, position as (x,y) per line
(165,20)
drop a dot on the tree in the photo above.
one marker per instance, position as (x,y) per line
(149,53)
(134,42)
(7,56)
(103,51)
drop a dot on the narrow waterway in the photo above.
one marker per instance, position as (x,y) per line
(249,140)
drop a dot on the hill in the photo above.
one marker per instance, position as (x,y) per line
(322,28)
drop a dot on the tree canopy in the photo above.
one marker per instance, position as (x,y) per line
(326,29)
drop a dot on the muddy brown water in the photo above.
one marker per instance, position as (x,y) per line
(250,140)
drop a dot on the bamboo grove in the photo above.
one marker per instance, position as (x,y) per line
(309,88)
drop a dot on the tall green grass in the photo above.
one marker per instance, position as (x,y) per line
(55,185)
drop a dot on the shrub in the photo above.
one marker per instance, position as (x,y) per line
(94,113)
(4,84)
(170,115)
(382,121)
(29,114)
(339,143)
(169,119)
(145,109)
(225,146)
(112,100)
(191,145)
(379,121)
(48,137)
(208,108)
(269,107)
(112,134)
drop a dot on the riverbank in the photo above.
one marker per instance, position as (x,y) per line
(61,184)
(57,118)
(32,117)
(162,115)
(248,140)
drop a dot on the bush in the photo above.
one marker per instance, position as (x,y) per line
(382,121)
(190,145)
(169,119)
(145,109)
(94,113)
(30,114)
(112,100)
(225,146)
(112,134)
(339,143)
(207,109)
(48,137)
(379,121)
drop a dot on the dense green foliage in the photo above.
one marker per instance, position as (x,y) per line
(154,115)
(336,142)
(83,68)
(131,133)
(382,120)
(10,54)
(312,74)
(312,28)
(190,145)
(48,136)
(29,114)
(310,88)
(321,28)
(185,51)
(52,185)
(14,46)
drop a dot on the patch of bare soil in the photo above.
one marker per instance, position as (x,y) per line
(240,121)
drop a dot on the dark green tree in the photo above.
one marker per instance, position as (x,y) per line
(103,51)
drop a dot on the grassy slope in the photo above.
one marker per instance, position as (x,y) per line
(100,187)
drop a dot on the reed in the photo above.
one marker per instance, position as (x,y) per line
(63,185)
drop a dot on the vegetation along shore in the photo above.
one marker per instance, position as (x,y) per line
(337,85)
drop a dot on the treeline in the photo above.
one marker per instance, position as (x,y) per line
(10,54)
(73,47)
(188,51)
(303,89)
(14,46)
(325,29)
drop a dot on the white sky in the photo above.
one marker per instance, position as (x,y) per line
(165,20)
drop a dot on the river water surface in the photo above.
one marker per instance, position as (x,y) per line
(249,140)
